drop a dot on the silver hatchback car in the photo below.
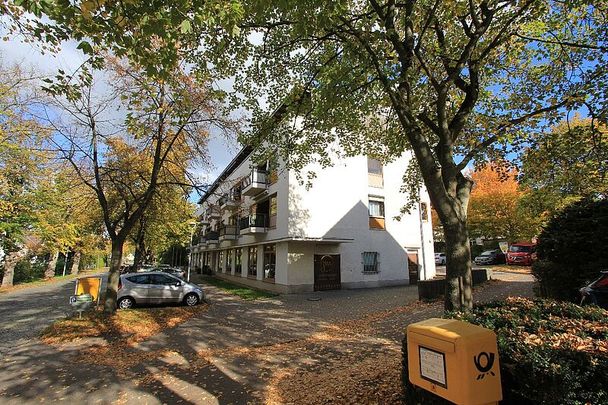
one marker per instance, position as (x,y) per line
(155,287)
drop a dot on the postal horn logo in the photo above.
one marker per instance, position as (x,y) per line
(484,363)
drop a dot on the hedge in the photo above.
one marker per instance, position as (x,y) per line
(550,352)
(571,249)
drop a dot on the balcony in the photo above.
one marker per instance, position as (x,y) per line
(255,183)
(212,238)
(213,212)
(254,223)
(228,232)
(229,201)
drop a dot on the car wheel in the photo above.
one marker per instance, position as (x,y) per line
(191,299)
(126,303)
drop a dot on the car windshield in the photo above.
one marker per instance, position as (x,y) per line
(520,248)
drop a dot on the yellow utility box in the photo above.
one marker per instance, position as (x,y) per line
(89,285)
(455,360)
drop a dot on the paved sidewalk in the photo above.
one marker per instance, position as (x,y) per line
(346,345)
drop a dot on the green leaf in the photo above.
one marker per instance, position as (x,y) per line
(185,27)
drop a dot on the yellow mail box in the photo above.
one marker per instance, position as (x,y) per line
(455,360)
(89,285)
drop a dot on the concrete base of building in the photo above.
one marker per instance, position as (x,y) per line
(303,288)
(265,285)
(374,284)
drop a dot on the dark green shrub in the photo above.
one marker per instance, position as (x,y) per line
(571,249)
(550,352)
(26,271)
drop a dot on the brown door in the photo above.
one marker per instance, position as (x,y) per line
(327,272)
(412,265)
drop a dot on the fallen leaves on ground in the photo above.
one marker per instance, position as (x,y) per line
(343,363)
(128,326)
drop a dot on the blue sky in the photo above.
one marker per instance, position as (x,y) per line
(69,58)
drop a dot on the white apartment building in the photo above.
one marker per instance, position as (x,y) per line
(266,230)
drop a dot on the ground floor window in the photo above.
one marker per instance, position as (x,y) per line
(252,268)
(229,261)
(370,262)
(270,259)
(220,261)
(237,261)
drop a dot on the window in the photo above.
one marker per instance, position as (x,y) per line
(273,212)
(161,279)
(237,261)
(220,261)
(424,211)
(141,279)
(374,166)
(376,213)
(229,261)
(375,177)
(370,262)
(376,208)
(252,268)
(232,220)
(270,259)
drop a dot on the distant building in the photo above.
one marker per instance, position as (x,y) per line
(264,229)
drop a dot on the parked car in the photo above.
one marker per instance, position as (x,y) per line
(173,271)
(521,253)
(440,259)
(596,292)
(156,287)
(495,256)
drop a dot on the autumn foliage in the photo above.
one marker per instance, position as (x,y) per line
(494,207)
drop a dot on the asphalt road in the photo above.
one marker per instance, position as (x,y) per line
(25,313)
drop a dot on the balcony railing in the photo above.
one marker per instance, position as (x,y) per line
(256,182)
(212,212)
(254,223)
(228,232)
(212,237)
(229,200)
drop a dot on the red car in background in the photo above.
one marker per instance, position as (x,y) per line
(521,253)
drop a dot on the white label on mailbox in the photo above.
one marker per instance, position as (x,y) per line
(432,366)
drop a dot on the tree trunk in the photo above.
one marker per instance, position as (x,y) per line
(459,283)
(140,253)
(75,262)
(10,262)
(50,268)
(113,276)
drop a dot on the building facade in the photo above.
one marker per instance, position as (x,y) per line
(264,229)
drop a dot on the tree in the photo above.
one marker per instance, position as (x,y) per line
(67,217)
(494,208)
(163,225)
(565,164)
(21,162)
(451,81)
(454,82)
(162,129)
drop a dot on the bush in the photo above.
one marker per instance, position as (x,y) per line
(550,352)
(26,271)
(571,249)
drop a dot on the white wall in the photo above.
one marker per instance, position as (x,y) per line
(336,206)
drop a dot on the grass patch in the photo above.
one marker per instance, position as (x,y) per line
(128,326)
(243,292)
(42,281)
